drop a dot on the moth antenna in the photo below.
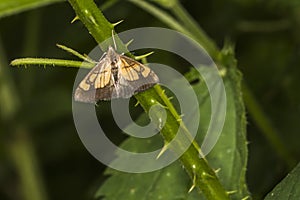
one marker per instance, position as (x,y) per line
(113,37)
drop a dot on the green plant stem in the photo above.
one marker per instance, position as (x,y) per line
(92,19)
(265,125)
(198,169)
(260,118)
(189,24)
(179,11)
(50,62)
(177,117)
(96,23)
(75,53)
(165,17)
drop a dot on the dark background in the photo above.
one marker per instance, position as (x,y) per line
(266,35)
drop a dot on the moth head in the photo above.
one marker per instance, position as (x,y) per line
(113,55)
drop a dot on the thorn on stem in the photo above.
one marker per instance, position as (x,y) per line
(143,56)
(217,170)
(129,42)
(137,103)
(170,98)
(245,198)
(164,149)
(119,22)
(75,19)
(194,184)
(231,192)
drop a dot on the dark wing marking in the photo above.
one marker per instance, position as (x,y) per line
(135,77)
(97,85)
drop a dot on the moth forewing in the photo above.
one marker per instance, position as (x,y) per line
(115,76)
(99,77)
(138,72)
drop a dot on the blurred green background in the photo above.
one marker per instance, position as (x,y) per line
(36,126)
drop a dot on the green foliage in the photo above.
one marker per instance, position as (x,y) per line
(229,155)
(288,188)
(41,155)
(10,7)
(168,183)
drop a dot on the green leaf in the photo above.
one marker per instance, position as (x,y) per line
(9,7)
(229,154)
(288,188)
(152,185)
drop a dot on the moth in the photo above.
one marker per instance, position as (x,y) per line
(114,76)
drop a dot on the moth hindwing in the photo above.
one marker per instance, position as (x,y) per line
(114,76)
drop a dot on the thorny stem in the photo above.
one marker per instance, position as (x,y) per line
(198,168)
(51,62)
(259,116)
(196,32)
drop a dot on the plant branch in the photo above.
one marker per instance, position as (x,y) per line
(51,62)
(163,16)
(75,53)
(260,118)
(198,169)
(179,11)
(198,34)
(187,26)
(96,23)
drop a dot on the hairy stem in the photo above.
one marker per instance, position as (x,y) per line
(51,62)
